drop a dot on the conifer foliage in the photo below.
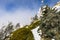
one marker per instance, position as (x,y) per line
(49,24)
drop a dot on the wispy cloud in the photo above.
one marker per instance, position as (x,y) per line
(21,16)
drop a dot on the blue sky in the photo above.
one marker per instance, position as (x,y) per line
(21,11)
(26,4)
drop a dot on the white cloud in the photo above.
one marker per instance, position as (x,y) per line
(21,16)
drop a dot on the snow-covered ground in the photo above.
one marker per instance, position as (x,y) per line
(36,35)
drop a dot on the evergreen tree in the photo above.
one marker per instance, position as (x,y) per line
(6,31)
(50,24)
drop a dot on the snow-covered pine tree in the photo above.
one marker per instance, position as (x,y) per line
(50,24)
